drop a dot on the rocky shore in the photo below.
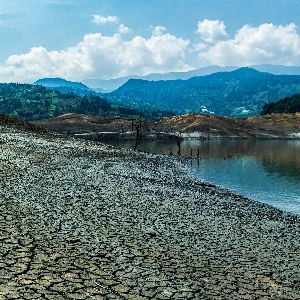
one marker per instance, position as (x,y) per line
(85,221)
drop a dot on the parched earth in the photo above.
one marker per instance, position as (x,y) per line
(85,221)
(274,126)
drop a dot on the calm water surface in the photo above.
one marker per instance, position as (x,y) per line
(267,171)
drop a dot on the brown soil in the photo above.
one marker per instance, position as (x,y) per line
(14,122)
(269,126)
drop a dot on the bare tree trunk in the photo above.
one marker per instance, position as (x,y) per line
(138,137)
(178,142)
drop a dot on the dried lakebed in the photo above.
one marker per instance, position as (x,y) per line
(85,221)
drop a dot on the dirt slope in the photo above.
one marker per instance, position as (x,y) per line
(196,125)
(275,125)
(20,124)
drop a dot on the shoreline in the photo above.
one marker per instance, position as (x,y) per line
(274,126)
(131,136)
(83,220)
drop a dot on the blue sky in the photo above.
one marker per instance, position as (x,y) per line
(58,25)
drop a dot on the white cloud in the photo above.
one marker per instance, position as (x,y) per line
(110,56)
(159,30)
(99,20)
(99,56)
(123,29)
(265,44)
(211,31)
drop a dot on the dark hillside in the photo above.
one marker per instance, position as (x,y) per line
(33,102)
(286,105)
(239,93)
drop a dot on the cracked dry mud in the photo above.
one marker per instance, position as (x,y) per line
(86,221)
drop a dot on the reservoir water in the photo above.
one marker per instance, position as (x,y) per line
(263,170)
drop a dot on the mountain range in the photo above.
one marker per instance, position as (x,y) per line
(109,85)
(238,93)
(235,92)
(112,84)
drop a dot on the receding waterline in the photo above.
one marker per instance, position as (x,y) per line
(263,170)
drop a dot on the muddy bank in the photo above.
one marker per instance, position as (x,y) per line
(195,126)
(128,136)
(175,136)
(86,221)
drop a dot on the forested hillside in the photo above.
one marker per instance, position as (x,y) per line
(65,86)
(33,102)
(238,93)
(285,105)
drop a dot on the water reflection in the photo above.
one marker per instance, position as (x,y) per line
(265,170)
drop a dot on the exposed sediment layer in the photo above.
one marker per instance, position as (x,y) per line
(199,126)
(85,221)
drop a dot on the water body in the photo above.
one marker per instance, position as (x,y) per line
(263,170)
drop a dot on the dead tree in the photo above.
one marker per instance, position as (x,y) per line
(138,129)
(138,136)
(178,142)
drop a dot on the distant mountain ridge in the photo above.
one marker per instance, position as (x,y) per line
(238,93)
(66,87)
(277,69)
(109,85)
(113,84)
(235,92)
(58,82)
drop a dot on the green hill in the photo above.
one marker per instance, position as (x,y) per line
(65,87)
(238,93)
(285,105)
(34,102)
(60,82)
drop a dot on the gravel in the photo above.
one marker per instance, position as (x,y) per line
(80,220)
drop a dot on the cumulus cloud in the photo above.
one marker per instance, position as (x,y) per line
(265,44)
(111,56)
(99,20)
(211,31)
(159,30)
(100,56)
(123,29)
